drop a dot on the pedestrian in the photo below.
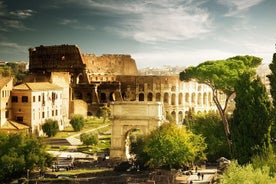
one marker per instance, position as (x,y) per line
(198,175)
(196,169)
(202,176)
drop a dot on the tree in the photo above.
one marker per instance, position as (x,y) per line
(210,127)
(50,127)
(77,122)
(251,119)
(19,153)
(221,76)
(246,174)
(272,79)
(89,139)
(104,112)
(170,146)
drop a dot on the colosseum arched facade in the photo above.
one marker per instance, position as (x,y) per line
(99,80)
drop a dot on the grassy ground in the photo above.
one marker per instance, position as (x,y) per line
(90,124)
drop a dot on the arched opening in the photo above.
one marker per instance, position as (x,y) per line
(88,98)
(199,99)
(173,115)
(173,99)
(103,98)
(112,97)
(180,117)
(187,97)
(80,78)
(133,138)
(141,97)
(166,98)
(180,99)
(150,97)
(158,97)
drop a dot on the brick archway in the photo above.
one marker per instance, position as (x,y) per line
(126,116)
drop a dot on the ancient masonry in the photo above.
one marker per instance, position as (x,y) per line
(90,81)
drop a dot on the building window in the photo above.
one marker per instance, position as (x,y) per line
(14,98)
(39,98)
(53,113)
(24,99)
(19,118)
(7,114)
(33,98)
(43,115)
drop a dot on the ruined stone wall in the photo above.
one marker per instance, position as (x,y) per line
(55,58)
(110,63)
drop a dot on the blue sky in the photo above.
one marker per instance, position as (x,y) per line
(153,32)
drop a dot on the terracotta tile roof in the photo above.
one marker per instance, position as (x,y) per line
(4,81)
(37,86)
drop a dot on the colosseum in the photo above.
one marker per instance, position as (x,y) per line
(91,81)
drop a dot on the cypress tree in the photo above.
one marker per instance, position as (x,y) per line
(251,119)
(272,79)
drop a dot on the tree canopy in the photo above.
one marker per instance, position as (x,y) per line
(222,75)
(272,79)
(251,119)
(170,146)
(210,127)
(50,127)
(19,153)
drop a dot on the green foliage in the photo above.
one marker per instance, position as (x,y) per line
(246,175)
(210,127)
(104,112)
(89,139)
(222,75)
(251,119)
(170,118)
(272,79)
(50,127)
(19,153)
(259,161)
(170,146)
(77,122)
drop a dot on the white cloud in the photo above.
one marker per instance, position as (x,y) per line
(22,14)
(237,7)
(14,46)
(154,21)
(75,24)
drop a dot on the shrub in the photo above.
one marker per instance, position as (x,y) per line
(50,127)
(77,122)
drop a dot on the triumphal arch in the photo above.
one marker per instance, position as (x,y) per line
(127,116)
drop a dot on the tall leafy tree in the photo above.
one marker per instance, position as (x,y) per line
(210,127)
(251,119)
(221,76)
(170,146)
(19,153)
(272,79)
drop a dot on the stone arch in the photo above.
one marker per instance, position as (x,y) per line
(193,98)
(112,97)
(173,99)
(80,78)
(103,98)
(127,116)
(180,117)
(158,97)
(199,99)
(187,96)
(141,97)
(180,98)
(88,97)
(150,97)
(128,140)
(173,115)
(205,99)
(166,98)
